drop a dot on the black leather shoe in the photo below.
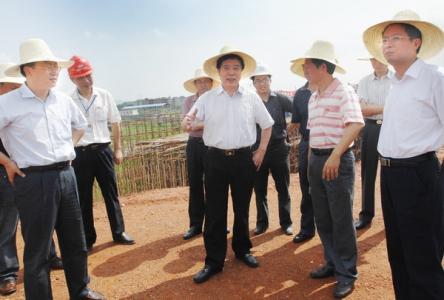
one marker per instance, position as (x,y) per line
(302,237)
(205,274)
(249,260)
(361,224)
(260,229)
(322,272)
(288,230)
(92,295)
(56,263)
(192,232)
(8,286)
(124,239)
(343,289)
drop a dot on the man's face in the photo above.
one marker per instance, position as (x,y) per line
(203,85)
(311,72)
(262,84)
(378,66)
(6,87)
(397,46)
(230,73)
(83,83)
(43,74)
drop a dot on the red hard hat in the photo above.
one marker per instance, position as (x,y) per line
(80,68)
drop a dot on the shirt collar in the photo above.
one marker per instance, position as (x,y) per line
(413,71)
(330,89)
(273,94)
(27,93)
(387,75)
(80,97)
(240,90)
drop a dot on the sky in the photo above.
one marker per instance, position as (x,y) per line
(149,48)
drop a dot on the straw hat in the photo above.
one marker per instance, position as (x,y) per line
(380,59)
(34,50)
(432,35)
(9,79)
(260,70)
(321,50)
(198,74)
(249,62)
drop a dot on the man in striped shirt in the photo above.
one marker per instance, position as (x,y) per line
(334,121)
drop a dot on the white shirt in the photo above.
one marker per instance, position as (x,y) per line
(373,90)
(414,113)
(230,121)
(100,111)
(36,132)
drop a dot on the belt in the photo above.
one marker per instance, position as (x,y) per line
(52,167)
(230,152)
(195,138)
(92,147)
(406,162)
(371,121)
(324,152)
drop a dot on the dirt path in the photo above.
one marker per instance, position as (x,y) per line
(161,265)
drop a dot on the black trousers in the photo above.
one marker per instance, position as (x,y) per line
(369,167)
(307,216)
(412,205)
(196,150)
(98,164)
(48,200)
(222,172)
(277,162)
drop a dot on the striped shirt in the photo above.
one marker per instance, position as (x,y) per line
(329,112)
(373,91)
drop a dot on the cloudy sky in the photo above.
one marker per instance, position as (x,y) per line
(149,48)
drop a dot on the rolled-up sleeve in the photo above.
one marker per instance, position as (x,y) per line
(261,114)
(78,121)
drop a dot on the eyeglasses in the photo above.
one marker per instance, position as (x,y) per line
(393,39)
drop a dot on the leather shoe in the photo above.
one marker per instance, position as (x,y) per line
(192,232)
(249,260)
(287,230)
(322,272)
(8,286)
(205,274)
(56,263)
(302,237)
(260,229)
(361,224)
(124,239)
(343,289)
(92,295)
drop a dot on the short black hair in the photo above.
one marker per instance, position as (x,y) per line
(22,68)
(318,62)
(412,32)
(223,58)
(252,77)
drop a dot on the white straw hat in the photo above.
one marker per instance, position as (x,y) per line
(432,35)
(9,79)
(368,58)
(249,62)
(34,50)
(319,50)
(260,70)
(198,74)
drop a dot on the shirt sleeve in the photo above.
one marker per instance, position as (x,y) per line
(362,90)
(113,111)
(199,105)
(438,96)
(261,114)
(350,107)
(286,103)
(4,119)
(78,121)
(186,106)
(295,114)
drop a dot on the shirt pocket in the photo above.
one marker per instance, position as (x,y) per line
(100,114)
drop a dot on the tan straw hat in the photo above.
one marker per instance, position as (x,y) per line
(380,59)
(34,50)
(320,50)
(198,74)
(9,79)
(260,71)
(432,35)
(249,62)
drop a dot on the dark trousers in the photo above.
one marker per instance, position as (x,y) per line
(369,167)
(221,173)
(277,162)
(98,164)
(307,217)
(412,206)
(333,210)
(48,200)
(196,150)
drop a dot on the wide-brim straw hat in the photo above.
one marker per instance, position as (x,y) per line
(9,79)
(319,50)
(249,62)
(261,70)
(198,74)
(432,35)
(35,50)
(368,58)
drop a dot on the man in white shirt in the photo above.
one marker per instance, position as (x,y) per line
(230,114)
(94,158)
(39,127)
(413,129)
(372,90)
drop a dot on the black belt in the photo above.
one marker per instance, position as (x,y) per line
(230,152)
(406,162)
(324,152)
(52,167)
(195,138)
(92,147)
(371,121)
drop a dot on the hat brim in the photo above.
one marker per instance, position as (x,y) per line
(9,79)
(15,70)
(380,59)
(191,87)
(296,65)
(249,64)
(432,38)
(260,74)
